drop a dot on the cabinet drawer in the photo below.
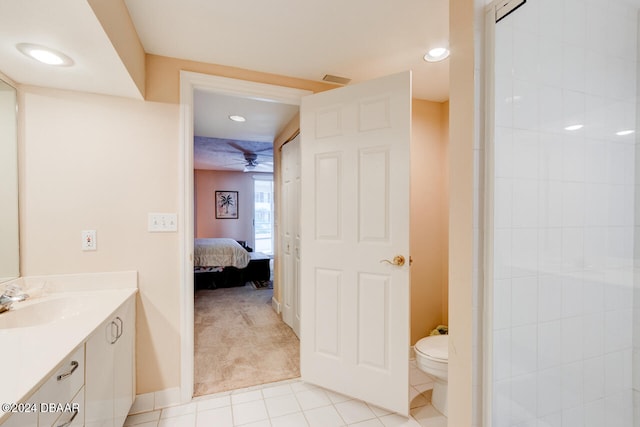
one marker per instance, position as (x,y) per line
(62,386)
(75,416)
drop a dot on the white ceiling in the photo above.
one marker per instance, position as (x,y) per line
(356,39)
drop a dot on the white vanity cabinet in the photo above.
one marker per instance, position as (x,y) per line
(110,369)
(60,399)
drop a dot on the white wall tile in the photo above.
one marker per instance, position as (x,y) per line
(549,391)
(525,203)
(524,350)
(524,300)
(572,339)
(572,385)
(525,105)
(572,296)
(549,344)
(566,219)
(595,414)
(593,379)
(550,298)
(593,339)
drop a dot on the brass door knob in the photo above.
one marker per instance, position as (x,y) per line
(397,260)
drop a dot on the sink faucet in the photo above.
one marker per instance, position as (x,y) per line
(12,293)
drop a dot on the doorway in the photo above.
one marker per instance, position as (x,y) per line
(189,82)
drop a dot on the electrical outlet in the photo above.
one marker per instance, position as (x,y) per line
(162,222)
(89,242)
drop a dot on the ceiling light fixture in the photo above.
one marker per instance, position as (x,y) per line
(45,55)
(625,132)
(436,54)
(574,127)
(237,118)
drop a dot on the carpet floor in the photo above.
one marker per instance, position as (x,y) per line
(240,341)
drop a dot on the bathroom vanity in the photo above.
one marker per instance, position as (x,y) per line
(68,352)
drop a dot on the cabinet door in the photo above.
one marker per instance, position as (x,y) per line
(110,369)
(99,377)
(124,373)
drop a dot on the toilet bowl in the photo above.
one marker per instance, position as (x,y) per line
(432,357)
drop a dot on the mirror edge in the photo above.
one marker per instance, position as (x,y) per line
(12,217)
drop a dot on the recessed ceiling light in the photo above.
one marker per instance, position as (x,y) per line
(574,127)
(45,55)
(237,118)
(436,54)
(625,132)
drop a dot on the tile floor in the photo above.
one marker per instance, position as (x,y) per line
(293,403)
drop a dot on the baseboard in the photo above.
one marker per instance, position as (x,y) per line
(275,305)
(147,402)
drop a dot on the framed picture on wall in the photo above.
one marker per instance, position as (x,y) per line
(226,205)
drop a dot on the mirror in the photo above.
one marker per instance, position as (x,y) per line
(9,249)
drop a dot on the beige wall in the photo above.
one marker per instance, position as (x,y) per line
(462,128)
(103,163)
(98,162)
(163,77)
(206,183)
(429,217)
(117,24)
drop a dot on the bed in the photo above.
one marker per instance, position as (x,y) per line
(219,252)
(221,263)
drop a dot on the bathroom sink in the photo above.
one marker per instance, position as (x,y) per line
(24,314)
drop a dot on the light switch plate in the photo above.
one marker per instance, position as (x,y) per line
(162,222)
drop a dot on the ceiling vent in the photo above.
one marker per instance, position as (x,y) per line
(336,79)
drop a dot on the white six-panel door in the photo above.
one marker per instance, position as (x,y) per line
(355,214)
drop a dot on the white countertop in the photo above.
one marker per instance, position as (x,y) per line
(29,355)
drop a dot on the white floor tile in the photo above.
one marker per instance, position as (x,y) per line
(416,398)
(369,423)
(247,396)
(213,403)
(263,423)
(292,404)
(176,411)
(378,411)
(326,416)
(249,412)
(416,376)
(282,405)
(301,386)
(354,411)
(291,420)
(423,387)
(279,390)
(428,416)
(395,420)
(188,420)
(145,417)
(310,399)
(337,397)
(219,417)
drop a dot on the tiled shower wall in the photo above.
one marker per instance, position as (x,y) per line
(563,212)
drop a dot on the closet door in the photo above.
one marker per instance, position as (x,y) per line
(291,234)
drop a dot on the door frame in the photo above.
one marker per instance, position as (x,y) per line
(189,82)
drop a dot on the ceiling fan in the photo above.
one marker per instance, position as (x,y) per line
(256,160)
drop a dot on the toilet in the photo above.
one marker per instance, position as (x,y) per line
(432,357)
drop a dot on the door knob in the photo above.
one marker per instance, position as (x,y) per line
(397,260)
